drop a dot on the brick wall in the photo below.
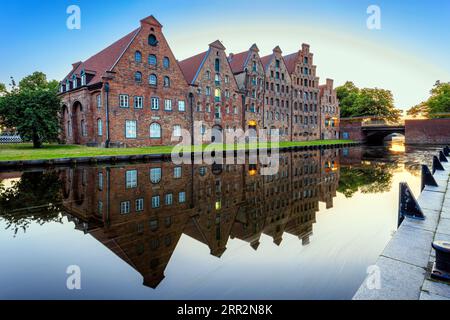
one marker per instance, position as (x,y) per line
(432,131)
(351,129)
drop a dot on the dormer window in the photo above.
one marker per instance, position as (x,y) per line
(152,40)
(67,85)
(74,81)
(83,78)
(61,88)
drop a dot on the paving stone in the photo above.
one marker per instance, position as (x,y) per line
(410,245)
(442,187)
(444,226)
(439,288)
(399,281)
(430,223)
(431,200)
(430,296)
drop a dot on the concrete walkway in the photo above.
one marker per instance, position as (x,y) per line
(406,263)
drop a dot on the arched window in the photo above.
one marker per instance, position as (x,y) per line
(153,80)
(138,76)
(152,41)
(152,60)
(208,75)
(155,175)
(99,127)
(138,57)
(83,78)
(166,82)
(166,63)
(217,95)
(155,131)
(217,65)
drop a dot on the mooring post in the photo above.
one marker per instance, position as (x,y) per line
(437,165)
(447,151)
(427,178)
(442,157)
(408,206)
(441,268)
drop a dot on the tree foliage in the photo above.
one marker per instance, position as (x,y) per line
(356,102)
(36,197)
(437,105)
(32,109)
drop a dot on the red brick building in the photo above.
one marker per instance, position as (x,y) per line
(329,111)
(250,76)
(135,93)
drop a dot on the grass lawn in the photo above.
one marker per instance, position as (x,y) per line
(25,151)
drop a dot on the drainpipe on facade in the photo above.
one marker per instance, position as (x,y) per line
(107,114)
(191,106)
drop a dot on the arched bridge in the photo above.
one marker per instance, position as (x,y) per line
(369,129)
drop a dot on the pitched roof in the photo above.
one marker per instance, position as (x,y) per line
(237,61)
(290,61)
(104,60)
(190,66)
(266,60)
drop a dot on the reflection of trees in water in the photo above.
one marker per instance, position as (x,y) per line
(368,178)
(36,198)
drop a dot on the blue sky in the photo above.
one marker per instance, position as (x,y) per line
(407,55)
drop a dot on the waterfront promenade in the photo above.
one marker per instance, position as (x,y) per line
(406,263)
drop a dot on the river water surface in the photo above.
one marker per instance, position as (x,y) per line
(160,231)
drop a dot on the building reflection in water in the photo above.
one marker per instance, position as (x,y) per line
(139,211)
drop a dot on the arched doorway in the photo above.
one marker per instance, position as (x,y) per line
(76,122)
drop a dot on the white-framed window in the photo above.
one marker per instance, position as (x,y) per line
(155,175)
(181,105)
(131,179)
(155,131)
(154,103)
(131,129)
(124,101)
(99,127)
(182,197)
(168,105)
(177,130)
(138,102)
(169,199)
(177,172)
(83,79)
(140,205)
(99,101)
(156,202)
(125,207)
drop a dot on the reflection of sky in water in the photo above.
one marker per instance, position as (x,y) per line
(346,239)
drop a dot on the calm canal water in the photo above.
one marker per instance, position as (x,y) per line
(159,231)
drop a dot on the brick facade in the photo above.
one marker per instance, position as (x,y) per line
(135,93)
(140,211)
(329,111)
(431,131)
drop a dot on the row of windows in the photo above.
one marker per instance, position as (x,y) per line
(124,102)
(125,206)
(217,109)
(131,176)
(152,60)
(155,130)
(152,79)
(277,87)
(329,109)
(277,102)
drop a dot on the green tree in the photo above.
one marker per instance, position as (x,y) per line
(438,105)
(36,197)
(355,102)
(2,89)
(32,109)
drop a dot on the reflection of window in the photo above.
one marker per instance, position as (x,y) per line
(203,171)
(100,181)
(130,129)
(155,175)
(169,199)
(156,202)
(154,224)
(155,131)
(182,197)
(131,179)
(125,207)
(139,205)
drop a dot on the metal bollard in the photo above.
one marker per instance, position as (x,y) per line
(441,268)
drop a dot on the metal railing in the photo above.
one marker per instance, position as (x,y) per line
(10,139)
